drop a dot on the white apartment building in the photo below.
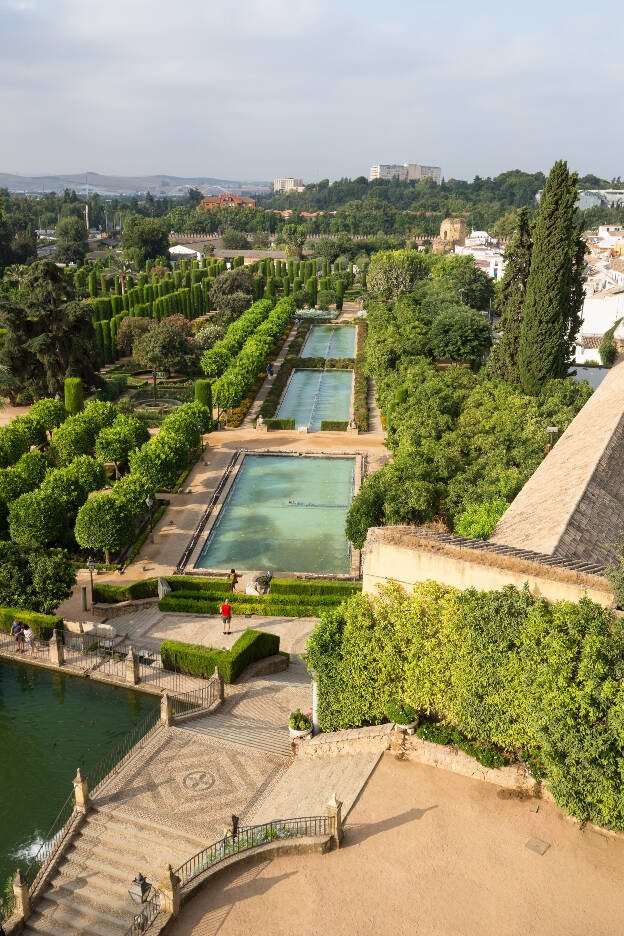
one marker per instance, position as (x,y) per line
(388,171)
(417,172)
(287,185)
(405,172)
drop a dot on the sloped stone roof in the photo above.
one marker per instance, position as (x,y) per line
(573,504)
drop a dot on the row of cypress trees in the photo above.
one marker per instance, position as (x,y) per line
(541,293)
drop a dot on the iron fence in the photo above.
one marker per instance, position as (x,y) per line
(56,835)
(146,916)
(40,649)
(117,757)
(247,838)
(183,703)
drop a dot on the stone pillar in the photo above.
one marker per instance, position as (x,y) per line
(166,710)
(83,597)
(315,702)
(81,792)
(132,668)
(57,654)
(220,683)
(22,896)
(169,889)
(334,812)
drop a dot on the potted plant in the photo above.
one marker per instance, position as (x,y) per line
(300,725)
(402,714)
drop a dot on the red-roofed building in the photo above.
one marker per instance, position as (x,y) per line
(228,201)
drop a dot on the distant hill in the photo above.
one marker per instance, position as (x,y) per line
(126,185)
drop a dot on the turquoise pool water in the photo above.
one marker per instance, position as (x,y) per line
(284,514)
(50,724)
(330,341)
(315,395)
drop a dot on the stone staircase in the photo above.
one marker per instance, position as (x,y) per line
(88,893)
(243,731)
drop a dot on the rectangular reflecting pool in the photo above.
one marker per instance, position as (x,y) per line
(314,395)
(330,341)
(284,514)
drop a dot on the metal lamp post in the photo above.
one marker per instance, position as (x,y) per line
(140,889)
(552,432)
(149,500)
(91,568)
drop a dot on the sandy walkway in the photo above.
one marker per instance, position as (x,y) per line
(434,854)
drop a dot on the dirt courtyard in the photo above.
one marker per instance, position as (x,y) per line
(428,852)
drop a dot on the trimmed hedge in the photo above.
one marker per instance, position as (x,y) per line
(287,586)
(197,605)
(196,660)
(42,624)
(261,600)
(334,425)
(111,594)
(280,423)
(74,397)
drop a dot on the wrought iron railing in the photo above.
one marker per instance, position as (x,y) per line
(146,916)
(184,703)
(40,649)
(116,758)
(56,834)
(247,838)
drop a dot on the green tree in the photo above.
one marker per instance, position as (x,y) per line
(131,328)
(232,292)
(294,236)
(105,523)
(478,520)
(71,240)
(235,240)
(49,336)
(37,519)
(115,442)
(144,239)
(552,303)
(460,334)
(33,578)
(393,272)
(503,361)
(49,412)
(123,269)
(163,348)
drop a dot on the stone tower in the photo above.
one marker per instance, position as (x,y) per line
(452,233)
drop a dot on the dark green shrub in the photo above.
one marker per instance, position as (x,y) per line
(287,586)
(74,397)
(299,722)
(402,713)
(42,624)
(112,594)
(334,425)
(439,733)
(280,423)
(201,661)
(37,519)
(203,393)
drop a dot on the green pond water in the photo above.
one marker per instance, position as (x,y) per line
(330,341)
(315,395)
(50,724)
(284,514)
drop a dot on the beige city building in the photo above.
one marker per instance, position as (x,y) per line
(405,172)
(287,185)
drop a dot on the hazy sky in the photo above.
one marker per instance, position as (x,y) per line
(249,89)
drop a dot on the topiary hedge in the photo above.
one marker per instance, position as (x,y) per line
(196,660)
(334,425)
(287,586)
(74,396)
(280,423)
(197,603)
(42,624)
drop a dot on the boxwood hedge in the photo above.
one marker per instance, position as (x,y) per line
(197,660)
(42,624)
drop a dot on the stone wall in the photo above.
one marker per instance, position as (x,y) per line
(402,555)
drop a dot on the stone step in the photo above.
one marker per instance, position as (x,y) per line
(118,876)
(70,916)
(129,854)
(146,828)
(89,885)
(269,740)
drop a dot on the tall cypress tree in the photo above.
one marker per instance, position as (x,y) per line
(548,307)
(503,359)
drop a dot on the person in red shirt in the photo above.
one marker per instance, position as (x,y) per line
(226,614)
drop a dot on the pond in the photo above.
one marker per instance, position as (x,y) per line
(284,514)
(50,724)
(330,341)
(313,395)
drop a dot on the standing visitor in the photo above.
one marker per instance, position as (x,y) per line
(226,614)
(20,638)
(269,370)
(234,577)
(29,636)
(16,630)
